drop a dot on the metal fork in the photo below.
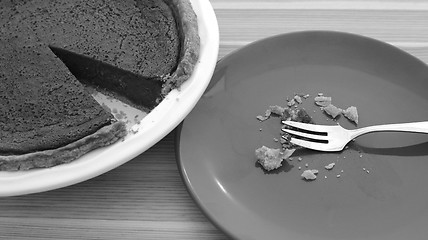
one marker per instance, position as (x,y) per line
(334,138)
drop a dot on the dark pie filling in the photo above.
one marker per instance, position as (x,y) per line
(142,92)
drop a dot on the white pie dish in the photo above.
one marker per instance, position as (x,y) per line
(152,128)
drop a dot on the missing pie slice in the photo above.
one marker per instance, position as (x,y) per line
(135,50)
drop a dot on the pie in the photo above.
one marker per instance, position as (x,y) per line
(52,52)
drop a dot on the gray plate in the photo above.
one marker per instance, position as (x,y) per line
(382,189)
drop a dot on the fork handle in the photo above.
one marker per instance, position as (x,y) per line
(416,127)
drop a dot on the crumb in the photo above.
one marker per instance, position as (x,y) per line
(310,174)
(298,99)
(291,102)
(330,166)
(351,113)
(306,165)
(265,117)
(287,153)
(332,110)
(338,175)
(299,158)
(262,118)
(322,101)
(278,110)
(271,158)
(134,129)
(303,116)
(297,115)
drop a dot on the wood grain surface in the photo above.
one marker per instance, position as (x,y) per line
(146,198)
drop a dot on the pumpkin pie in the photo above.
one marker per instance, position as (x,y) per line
(53,51)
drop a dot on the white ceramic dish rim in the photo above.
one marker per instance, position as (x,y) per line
(156,125)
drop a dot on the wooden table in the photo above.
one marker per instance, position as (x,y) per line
(146,198)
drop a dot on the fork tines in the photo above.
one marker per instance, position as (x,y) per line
(306,127)
(305,131)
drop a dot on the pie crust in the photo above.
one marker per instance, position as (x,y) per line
(48,158)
